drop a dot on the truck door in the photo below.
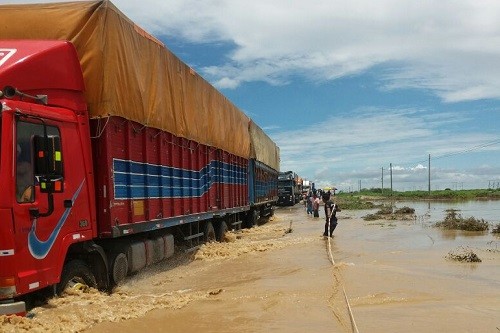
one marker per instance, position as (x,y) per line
(33,269)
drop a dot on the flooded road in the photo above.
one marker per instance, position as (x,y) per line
(393,274)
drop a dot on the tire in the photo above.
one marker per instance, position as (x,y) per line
(251,219)
(209,233)
(221,231)
(271,212)
(77,275)
(119,268)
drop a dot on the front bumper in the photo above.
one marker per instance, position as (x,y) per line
(12,308)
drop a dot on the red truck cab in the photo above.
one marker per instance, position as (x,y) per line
(47,204)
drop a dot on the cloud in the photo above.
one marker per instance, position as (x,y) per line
(362,137)
(419,167)
(360,144)
(450,48)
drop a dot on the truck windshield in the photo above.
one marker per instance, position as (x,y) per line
(285,191)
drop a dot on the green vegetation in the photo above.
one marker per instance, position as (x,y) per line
(351,202)
(386,210)
(371,217)
(388,213)
(454,221)
(376,193)
(405,210)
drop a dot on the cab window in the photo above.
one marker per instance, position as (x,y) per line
(25,179)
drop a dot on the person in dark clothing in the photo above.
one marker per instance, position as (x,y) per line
(331,209)
(309,204)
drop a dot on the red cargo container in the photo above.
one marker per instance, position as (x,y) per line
(147,178)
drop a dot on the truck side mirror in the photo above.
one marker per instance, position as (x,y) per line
(48,163)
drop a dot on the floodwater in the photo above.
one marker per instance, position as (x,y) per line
(283,276)
(488,210)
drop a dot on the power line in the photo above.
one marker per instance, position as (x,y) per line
(484,145)
(467,150)
(464,151)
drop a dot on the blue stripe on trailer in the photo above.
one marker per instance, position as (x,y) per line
(137,180)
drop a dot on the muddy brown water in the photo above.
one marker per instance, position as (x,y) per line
(393,274)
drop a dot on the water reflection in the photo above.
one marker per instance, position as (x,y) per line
(448,234)
(453,234)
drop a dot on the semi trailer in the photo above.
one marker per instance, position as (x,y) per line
(112,151)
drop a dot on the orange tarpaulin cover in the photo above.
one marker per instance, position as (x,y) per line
(131,74)
(262,148)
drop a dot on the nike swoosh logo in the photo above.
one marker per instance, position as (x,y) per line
(39,249)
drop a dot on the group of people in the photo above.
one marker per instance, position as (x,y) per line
(312,203)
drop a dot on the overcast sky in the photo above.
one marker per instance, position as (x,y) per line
(345,88)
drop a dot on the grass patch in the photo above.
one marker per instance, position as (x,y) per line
(388,213)
(405,210)
(350,202)
(463,255)
(377,193)
(386,210)
(371,217)
(455,221)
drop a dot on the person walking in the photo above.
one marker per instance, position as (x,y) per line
(315,206)
(309,204)
(331,209)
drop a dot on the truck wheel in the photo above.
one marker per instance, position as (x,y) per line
(209,233)
(221,231)
(119,268)
(76,275)
(251,219)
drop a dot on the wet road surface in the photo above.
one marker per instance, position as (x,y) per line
(394,274)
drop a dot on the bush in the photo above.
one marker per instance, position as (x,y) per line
(352,203)
(371,217)
(405,210)
(386,210)
(454,221)
(386,213)
(463,255)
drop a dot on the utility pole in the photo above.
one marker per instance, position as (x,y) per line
(391,176)
(429,174)
(382,180)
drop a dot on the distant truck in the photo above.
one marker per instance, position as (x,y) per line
(111,149)
(306,186)
(289,188)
